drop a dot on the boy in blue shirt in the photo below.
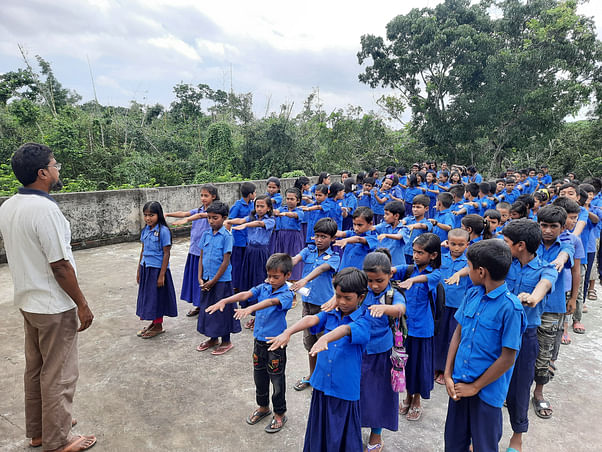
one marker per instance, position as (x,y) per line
(389,231)
(416,224)
(530,279)
(444,220)
(241,209)
(274,299)
(510,194)
(364,195)
(358,243)
(482,351)
(334,416)
(320,263)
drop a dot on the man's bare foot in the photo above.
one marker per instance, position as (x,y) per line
(77,444)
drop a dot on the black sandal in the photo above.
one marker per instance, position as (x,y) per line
(270,427)
(301,384)
(258,415)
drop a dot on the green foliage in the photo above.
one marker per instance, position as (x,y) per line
(294,173)
(8,182)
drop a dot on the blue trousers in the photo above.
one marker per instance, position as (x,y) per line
(471,419)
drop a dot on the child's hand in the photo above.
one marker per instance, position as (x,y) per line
(451,388)
(407,284)
(161,280)
(444,244)
(340,243)
(179,222)
(377,310)
(298,285)
(219,306)
(527,299)
(207,285)
(240,227)
(319,346)
(453,279)
(381,237)
(138,275)
(279,341)
(329,306)
(304,208)
(571,304)
(433,221)
(456,212)
(240,314)
(558,264)
(465,390)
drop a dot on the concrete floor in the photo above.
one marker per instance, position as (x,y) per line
(161,394)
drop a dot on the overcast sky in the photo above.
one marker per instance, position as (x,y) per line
(139,49)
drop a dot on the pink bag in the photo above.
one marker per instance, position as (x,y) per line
(399,357)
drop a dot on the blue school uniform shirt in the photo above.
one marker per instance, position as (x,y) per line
(381,337)
(432,196)
(445,185)
(240,209)
(411,235)
(363,199)
(524,279)
(214,246)
(306,203)
(154,240)
(320,288)
(350,202)
(444,217)
(332,209)
(454,293)
(339,368)
(411,193)
(270,322)
(289,223)
(276,200)
(556,300)
(567,276)
(197,229)
(510,197)
(394,246)
(377,207)
(489,322)
(312,218)
(354,253)
(547,179)
(260,236)
(485,204)
(418,307)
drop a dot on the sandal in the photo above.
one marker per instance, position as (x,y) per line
(152,332)
(378,447)
(578,328)
(144,330)
(222,349)
(37,442)
(250,324)
(566,339)
(404,408)
(440,380)
(79,443)
(206,345)
(414,414)
(592,294)
(301,384)
(274,427)
(257,416)
(193,312)
(539,406)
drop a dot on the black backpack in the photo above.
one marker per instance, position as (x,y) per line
(437,304)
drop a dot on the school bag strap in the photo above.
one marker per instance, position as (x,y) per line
(402,324)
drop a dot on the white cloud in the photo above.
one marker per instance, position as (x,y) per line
(170,42)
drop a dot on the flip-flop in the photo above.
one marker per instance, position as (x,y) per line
(404,408)
(578,328)
(566,339)
(378,447)
(270,427)
(258,415)
(414,414)
(205,346)
(33,442)
(539,406)
(440,380)
(80,443)
(143,330)
(152,333)
(222,349)
(193,312)
(301,384)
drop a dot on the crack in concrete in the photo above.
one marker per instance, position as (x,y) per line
(4,417)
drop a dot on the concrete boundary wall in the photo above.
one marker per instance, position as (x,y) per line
(104,217)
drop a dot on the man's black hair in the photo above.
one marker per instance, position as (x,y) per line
(524,230)
(556,213)
(492,255)
(28,159)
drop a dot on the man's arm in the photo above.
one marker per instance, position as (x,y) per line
(65,276)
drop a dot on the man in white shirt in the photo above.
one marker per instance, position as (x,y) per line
(37,239)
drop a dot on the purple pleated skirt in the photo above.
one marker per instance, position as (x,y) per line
(253,268)
(304,230)
(333,425)
(191,291)
(154,302)
(419,368)
(219,323)
(447,326)
(379,404)
(347,223)
(291,242)
(272,243)
(238,254)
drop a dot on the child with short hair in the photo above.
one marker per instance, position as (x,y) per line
(215,281)
(380,196)
(530,278)
(490,324)
(389,231)
(432,190)
(334,204)
(444,219)
(416,224)
(320,263)
(315,211)
(518,210)
(349,204)
(510,193)
(358,243)
(334,421)
(241,209)
(156,294)
(504,209)
(413,189)
(273,300)
(290,239)
(364,193)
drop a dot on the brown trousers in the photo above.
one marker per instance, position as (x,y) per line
(50,376)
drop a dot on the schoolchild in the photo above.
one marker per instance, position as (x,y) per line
(260,224)
(504,209)
(156,294)
(485,202)
(345,175)
(411,192)
(477,227)
(530,278)
(547,178)
(402,183)
(416,224)
(349,204)
(191,293)
(518,210)
(334,421)
(333,206)
(241,209)
(510,193)
(455,288)
(307,198)
(323,179)
(379,404)
(215,281)
(457,191)
(444,219)
(500,187)
(273,192)
(358,243)
(320,263)
(315,211)
(364,193)
(380,196)
(374,174)
(494,218)
(593,233)
(421,323)
(290,239)
(471,204)
(432,190)
(455,178)
(389,232)
(443,181)
(272,300)
(359,182)
(482,351)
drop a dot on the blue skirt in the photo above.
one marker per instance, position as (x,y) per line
(191,291)
(272,242)
(253,270)
(333,425)
(348,223)
(304,230)
(378,218)
(219,323)
(419,368)
(291,242)
(379,404)
(238,253)
(447,326)
(154,302)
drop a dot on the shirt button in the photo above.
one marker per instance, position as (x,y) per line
(473,329)
(328,375)
(478,313)
(330,360)
(463,376)
(465,361)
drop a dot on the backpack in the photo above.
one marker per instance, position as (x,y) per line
(437,304)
